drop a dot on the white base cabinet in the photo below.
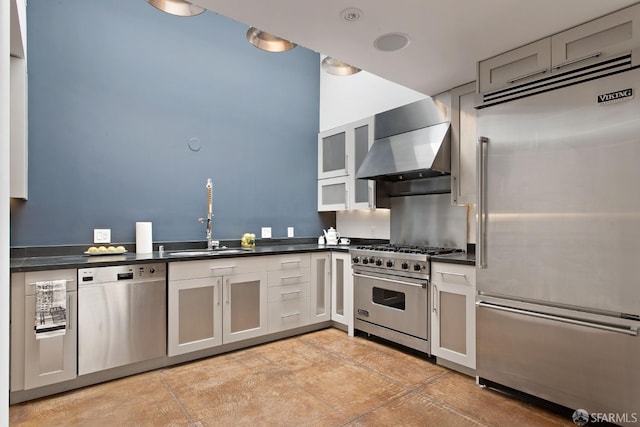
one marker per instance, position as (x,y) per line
(342,290)
(37,362)
(211,302)
(453,319)
(320,287)
(289,291)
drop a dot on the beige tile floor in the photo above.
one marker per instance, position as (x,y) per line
(323,378)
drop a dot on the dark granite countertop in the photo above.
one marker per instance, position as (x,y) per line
(39,263)
(464,258)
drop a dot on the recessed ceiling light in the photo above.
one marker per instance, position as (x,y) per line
(351,14)
(391,42)
(338,68)
(177,7)
(267,41)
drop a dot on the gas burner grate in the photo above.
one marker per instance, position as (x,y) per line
(427,250)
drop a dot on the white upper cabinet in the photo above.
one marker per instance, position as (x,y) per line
(463,145)
(596,40)
(340,153)
(515,66)
(576,47)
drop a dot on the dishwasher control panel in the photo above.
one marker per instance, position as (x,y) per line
(116,273)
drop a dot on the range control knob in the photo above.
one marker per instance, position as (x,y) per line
(417,267)
(356,259)
(405,265)
(379,262)
(365,261)
(372,260)
(152,270)
(389,263)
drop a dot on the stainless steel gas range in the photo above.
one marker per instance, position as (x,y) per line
(391,292)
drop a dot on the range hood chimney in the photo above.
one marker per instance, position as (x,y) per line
(410,142)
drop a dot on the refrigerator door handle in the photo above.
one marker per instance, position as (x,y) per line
(481,239)
(619,329)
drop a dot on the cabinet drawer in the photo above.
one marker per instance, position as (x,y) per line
(289,262)
(217,267)
(288,292)
(289,314)
(515,67)
(289,277)
(453,273)
(596,40)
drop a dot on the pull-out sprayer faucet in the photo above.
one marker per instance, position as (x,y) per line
(211,244)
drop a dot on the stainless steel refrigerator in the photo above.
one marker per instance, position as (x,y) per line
(558,279)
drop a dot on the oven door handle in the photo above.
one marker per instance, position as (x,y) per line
(418,285)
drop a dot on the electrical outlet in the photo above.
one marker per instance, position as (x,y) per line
(289,231)
(101,235)
(266,232)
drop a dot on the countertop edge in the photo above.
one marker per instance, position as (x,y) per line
(20,265)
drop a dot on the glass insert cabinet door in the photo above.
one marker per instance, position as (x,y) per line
(333,155)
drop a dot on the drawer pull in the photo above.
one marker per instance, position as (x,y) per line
(223,267)
(574,61)
(297,276)
(535,73)
(290,292)
(629,330)
(284,316)
(442,273)
(294,261)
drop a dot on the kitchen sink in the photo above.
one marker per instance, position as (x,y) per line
(201,252)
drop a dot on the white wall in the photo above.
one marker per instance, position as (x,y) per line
(4,210)
(366,224)
(345,99)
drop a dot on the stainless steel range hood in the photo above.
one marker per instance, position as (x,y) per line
(417,154)
(412,142)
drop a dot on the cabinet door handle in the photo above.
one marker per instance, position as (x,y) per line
(524,76)
(346,198)
(346,163)
(284,316)
(435,299)
(228,299)
(574,61)
(219,291)
(69,316)
(290,292)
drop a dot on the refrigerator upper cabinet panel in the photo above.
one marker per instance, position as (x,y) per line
(562,204)
(596,40)
(514,67)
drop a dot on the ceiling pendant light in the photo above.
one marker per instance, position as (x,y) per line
(177,7)
(267,41)
(338,68)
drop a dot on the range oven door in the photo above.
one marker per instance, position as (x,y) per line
(397,304)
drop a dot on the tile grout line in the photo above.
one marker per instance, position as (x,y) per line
(175,398)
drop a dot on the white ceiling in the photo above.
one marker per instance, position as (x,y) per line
(447,37)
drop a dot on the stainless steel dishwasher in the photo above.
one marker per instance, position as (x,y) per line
(121,315)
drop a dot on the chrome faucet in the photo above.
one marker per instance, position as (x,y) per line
(211,244)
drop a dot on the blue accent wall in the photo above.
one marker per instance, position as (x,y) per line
(118,89)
